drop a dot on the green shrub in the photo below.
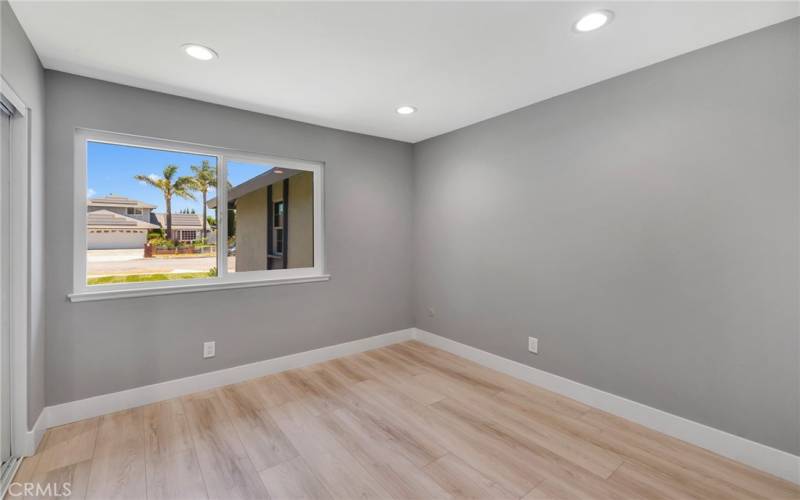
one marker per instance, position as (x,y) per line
(162,243)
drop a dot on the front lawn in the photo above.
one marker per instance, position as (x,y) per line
(133,278)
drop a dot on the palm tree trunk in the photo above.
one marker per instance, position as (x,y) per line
(168,203)
(205,216)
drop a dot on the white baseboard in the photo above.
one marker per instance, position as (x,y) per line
(95,406)
(762,457)
(33,437)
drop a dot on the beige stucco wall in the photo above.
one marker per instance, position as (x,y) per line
(251,231)
(251,224)
(301,220)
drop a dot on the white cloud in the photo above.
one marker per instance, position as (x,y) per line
(90,192)
(153,177)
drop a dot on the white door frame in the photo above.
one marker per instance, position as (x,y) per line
(22,442)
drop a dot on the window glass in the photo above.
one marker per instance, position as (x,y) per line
(147,219)
(270,217)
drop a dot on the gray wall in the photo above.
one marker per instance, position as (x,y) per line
(99,347)
(645,229)
(21,68)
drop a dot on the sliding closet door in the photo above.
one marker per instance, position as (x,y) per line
(5,327)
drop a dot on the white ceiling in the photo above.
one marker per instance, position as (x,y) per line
(349,65)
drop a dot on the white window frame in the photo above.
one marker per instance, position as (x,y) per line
(83,292)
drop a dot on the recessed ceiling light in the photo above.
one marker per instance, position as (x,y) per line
(277,171)
(199,52)
(406,110)
(594,20)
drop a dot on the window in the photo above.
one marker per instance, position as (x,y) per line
(277,228)
(264,228)
(273,210)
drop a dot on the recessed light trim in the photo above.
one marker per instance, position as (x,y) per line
(199,52)
(593,20)
(406,110)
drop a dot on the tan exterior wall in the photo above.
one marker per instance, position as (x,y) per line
(251,231)
(251,225)
(301,220)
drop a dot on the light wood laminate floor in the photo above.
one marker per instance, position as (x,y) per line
(404,421)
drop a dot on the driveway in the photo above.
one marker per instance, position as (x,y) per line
(124,262)
(114,255)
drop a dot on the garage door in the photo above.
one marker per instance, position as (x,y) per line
(111,238)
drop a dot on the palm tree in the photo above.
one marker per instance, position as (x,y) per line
(205,178)
(180,187)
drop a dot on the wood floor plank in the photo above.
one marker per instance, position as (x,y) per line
(173,471)
(398,475)
(549,490)
(519,452)
(68,444)
(67,482)
(501,465)
(270,391)
(390,363)
(648,483)
(301,391)
(546,413)
(405,419)
(345,372)
(226,468)
(264,442)
(402,381)
(449,367)
(702,461)
(28,466)
(491,380)
(294,480)
(380,425)
(118,465)
(594,459)
(462,481)
(339,471)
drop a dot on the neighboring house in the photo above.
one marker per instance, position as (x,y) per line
(185,227)
(274,220)
(110,230)
(119,222)
(123,206)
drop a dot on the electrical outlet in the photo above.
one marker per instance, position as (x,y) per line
(209,349)
(533,345)
(431,312)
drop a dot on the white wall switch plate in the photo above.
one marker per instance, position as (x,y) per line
(533,345)
(209,349)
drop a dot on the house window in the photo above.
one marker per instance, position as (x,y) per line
(264,228)
(278,241)
(277,228)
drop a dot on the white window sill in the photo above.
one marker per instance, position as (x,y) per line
(86,296)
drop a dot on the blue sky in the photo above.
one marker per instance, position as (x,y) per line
(111,168)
